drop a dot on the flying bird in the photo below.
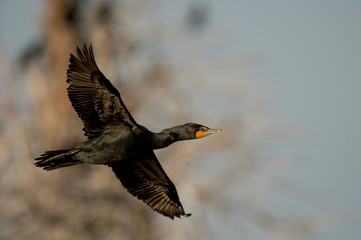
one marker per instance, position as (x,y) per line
(117,140)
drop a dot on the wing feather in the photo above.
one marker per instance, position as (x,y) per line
(145,179)
(96,101)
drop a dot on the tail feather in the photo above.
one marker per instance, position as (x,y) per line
(55,159)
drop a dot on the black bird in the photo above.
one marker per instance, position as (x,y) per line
(116,140)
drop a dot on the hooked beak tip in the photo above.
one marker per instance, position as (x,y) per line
(215,131)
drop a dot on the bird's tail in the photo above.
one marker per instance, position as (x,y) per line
(51,160)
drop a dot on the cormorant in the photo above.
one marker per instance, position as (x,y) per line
(115,139)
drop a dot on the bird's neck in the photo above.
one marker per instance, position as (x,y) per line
(167,137)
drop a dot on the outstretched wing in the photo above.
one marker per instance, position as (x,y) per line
(94,98)
(145,179)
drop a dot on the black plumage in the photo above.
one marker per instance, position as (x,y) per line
(116,140)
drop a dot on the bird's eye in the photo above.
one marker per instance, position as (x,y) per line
(202,129)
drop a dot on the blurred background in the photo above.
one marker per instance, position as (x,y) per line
(281,78)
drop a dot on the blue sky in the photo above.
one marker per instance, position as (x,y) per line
(312,79)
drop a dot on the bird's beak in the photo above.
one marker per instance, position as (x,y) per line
(207,132)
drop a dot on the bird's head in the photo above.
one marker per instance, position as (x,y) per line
(195,131)
(179,133)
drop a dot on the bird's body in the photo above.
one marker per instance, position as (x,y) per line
(116,140)
(122,142)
